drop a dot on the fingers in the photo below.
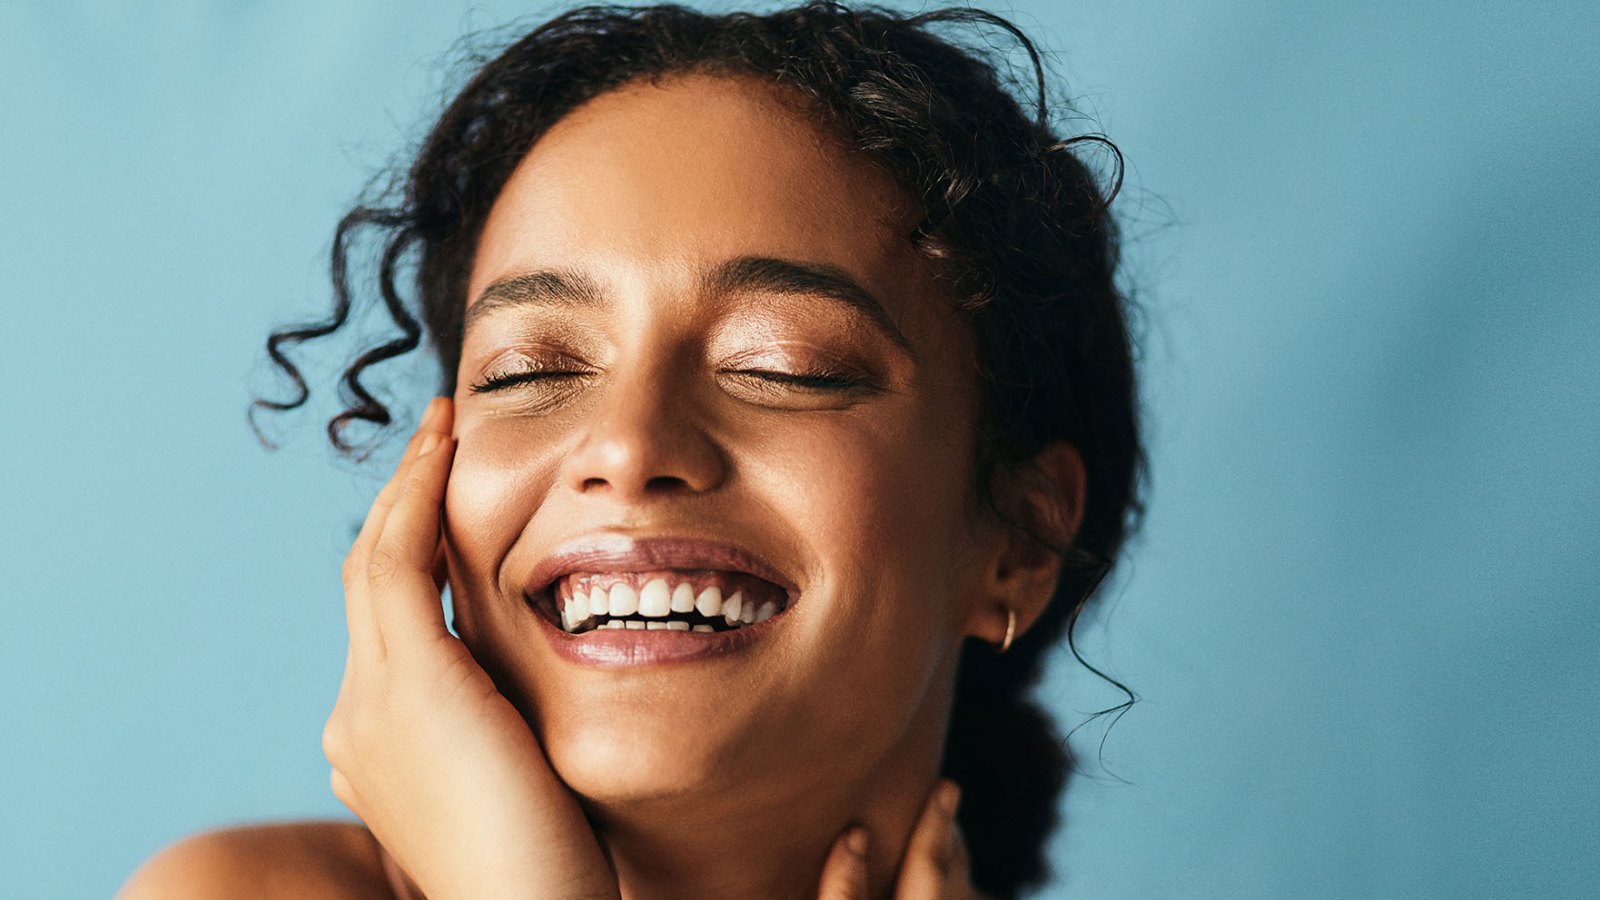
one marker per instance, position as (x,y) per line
(366,636)
(934,867)
(844,875)
(935,862)
(400,570)
(438,408)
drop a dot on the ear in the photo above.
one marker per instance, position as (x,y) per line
(1041,502)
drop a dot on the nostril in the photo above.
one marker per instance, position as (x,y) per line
(665,483)
(658,484)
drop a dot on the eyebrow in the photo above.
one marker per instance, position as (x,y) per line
(783,276)
(565,288)
(546,287)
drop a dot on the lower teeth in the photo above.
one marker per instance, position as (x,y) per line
(650,625)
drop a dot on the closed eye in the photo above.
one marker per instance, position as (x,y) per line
(513,379)
(817,381)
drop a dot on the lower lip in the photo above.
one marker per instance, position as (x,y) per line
(624,647)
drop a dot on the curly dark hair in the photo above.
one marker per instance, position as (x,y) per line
(1014,217)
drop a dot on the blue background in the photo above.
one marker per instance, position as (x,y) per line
(1361,616)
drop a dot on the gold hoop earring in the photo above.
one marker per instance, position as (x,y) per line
(1011,630)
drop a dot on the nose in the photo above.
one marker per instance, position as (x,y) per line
(645,440)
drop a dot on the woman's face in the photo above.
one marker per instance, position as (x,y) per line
(700,351)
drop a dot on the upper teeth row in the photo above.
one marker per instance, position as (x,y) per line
(658,599)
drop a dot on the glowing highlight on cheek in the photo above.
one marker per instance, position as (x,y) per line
(493,492)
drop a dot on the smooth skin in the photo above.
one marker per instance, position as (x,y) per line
(671,403)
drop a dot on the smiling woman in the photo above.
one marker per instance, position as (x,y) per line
(790,423)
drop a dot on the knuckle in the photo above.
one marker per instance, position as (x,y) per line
(341,788)
(335,742)
(418,478)
(383,566)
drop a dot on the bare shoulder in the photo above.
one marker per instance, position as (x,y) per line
(309,860)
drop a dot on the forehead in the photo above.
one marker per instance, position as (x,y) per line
(667,179)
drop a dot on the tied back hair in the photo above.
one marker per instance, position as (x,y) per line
(1015,221)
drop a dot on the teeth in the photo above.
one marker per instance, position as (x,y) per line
(655,599)
(610,606)
(624,600)
(683,598)
(709,603)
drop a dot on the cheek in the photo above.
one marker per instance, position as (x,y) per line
(887,501)
(884,509)
(499,479)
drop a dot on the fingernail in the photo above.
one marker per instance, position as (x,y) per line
(429,413)
(428,443)
(856,841)
(949,798)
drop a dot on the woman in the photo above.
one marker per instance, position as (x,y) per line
(783,356)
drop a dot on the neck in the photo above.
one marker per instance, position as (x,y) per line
(760,844)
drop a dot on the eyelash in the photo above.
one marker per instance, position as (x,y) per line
(820,380)
(514,379)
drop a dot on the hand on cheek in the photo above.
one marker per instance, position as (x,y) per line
(437,763)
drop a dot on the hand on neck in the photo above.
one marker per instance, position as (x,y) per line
(763,844)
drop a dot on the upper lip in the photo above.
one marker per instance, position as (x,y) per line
(625,553)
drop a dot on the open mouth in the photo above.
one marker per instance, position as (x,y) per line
(700,600)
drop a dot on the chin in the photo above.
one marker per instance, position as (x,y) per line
(620,759)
